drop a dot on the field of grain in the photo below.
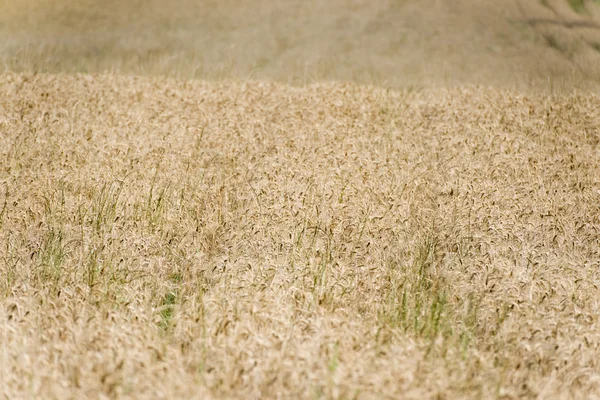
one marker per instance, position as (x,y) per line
(299,199)
(516,44)
(253,240)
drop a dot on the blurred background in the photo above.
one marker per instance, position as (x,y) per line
(393,43)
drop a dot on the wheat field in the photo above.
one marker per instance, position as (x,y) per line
(185,239)
(358,231)
(547,45)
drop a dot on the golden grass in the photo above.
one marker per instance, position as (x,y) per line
(170,239)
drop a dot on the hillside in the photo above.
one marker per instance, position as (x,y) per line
(548,44)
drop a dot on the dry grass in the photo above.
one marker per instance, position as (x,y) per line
(392,43)
(166,238)
(172,239)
